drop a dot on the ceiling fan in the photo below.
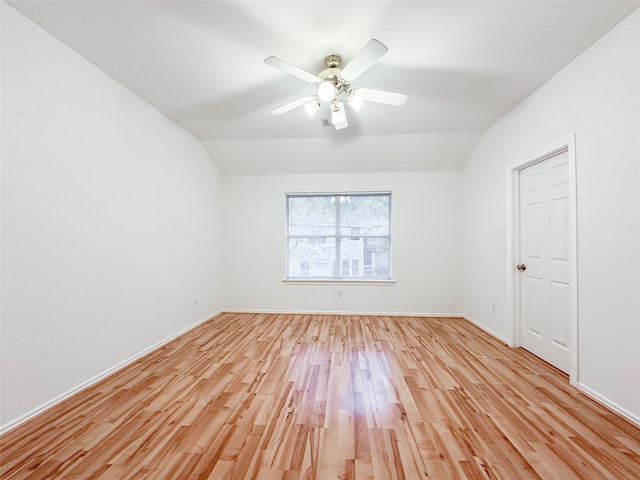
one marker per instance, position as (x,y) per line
(334,84)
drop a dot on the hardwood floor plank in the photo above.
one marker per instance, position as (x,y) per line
(279,396)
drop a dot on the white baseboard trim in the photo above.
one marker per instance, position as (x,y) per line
(325,312)
(635,419)
(36,411)
(45,406)
(627,415)
(488,330)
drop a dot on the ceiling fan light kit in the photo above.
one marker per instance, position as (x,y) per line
(338,115)
(355,99)
(333,85)
(312,107)
(327,91)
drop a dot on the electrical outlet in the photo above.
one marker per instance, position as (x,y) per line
(195,302)
(339,293)
(493,308)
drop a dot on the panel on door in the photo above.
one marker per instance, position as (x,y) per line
(544,252)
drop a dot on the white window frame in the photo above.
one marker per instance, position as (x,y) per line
(338,279)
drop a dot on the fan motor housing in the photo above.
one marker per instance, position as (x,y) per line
(332,61)
(333,70)
(329,73)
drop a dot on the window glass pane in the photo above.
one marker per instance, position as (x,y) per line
(304,268)
(345,268)
(372,253)
(364,214)
(315,215)
(310,258)
(339,235)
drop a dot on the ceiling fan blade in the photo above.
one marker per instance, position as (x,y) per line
(379,96)
(294,104)
(366,57)
(292,70)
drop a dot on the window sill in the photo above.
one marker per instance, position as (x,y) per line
(334,281)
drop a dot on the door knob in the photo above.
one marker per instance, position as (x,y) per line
(522,267)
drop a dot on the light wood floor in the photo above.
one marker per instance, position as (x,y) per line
(253,396)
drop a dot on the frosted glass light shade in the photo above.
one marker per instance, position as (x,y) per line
(338,115)
(312,107)
(355,100)
(326,91)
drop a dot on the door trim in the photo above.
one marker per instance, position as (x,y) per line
(513,252)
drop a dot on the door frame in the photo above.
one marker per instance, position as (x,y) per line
(513,252)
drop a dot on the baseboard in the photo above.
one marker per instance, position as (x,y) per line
(45,406)
(484,327)
(627,415)
(36,411)
(615,408)
(355,313)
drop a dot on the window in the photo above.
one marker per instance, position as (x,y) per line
(345,268)
(304,269)
(355,267)
(348,230)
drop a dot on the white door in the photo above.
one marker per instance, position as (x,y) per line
(544,267)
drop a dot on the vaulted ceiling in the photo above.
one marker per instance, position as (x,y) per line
(462,64)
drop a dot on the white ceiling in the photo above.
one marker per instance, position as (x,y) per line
(462,64)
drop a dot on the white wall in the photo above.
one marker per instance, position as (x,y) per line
(426,238)
(110,222)
(597,97)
